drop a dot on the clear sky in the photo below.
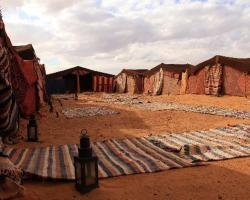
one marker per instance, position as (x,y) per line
(109,35)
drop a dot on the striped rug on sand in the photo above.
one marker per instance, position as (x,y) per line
(138,155)
(116,158)
(214,144)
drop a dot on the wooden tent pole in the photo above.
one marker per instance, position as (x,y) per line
(78,87)
(78,83)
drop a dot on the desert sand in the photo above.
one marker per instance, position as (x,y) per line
(218,180)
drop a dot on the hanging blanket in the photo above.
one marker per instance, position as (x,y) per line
(121,83)
(28,105)
(213,80)
(41,83)
(158,82)
(116,157)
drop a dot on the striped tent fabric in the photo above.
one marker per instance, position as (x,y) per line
(8,108)
(214,144)
(116,158)
(9,112)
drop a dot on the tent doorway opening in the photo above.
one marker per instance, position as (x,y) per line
(86,82)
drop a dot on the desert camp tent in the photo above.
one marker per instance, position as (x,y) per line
(166,79)
(34,72)
(9,113)
(17,77)
(79,79)
(221,75)
(26,52)
(130,81)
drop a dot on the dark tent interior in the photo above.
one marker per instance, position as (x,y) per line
(67,81)
(68,84)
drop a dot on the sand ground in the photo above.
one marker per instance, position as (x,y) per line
(219,180)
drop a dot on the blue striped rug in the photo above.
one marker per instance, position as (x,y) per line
(138,155)
(116,158)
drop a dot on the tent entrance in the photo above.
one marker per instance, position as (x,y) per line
(70,83)
(139,84)
(86,83)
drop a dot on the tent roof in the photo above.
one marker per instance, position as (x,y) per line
(242,64)
(74,69)
(178,68)
(133,71)
(27,52)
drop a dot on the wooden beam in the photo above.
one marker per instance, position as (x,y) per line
(78,87)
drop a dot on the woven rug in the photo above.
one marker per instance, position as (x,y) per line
(136,102)
(214,144)
(87,112)
(116,158)
(138,155)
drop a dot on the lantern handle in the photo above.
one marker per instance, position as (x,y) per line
(84,132)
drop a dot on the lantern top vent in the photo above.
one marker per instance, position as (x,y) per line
(84,134)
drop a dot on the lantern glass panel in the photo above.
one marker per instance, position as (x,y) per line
(78,172)
(32,132)
(90,173)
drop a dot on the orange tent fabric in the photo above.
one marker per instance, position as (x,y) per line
(28,105)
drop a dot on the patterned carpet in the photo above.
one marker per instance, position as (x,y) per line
(138,155)
(116,157)
(214,144)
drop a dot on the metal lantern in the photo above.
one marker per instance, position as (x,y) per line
(32,129)
(86,166)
